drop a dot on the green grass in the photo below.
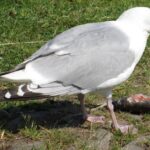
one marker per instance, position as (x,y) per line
(38,20)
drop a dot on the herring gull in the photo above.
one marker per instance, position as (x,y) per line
(86,58)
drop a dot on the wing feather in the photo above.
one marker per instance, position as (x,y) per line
(95,54)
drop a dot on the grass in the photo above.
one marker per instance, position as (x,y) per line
(30,20)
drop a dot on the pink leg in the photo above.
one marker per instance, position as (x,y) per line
(123,128)
(90,118)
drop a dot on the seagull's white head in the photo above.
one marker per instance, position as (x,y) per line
(139,16)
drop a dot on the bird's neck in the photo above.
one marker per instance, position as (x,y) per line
(137,38)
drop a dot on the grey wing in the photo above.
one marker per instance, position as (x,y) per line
(66,38)
(94,57)
(61,41)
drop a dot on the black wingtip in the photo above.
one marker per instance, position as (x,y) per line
(12,94)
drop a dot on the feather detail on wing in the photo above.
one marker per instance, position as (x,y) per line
(84,56)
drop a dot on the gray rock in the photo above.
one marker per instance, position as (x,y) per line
(22,145)
(71,148)
(101,140)
(136,117)
(132,147)
(142,143)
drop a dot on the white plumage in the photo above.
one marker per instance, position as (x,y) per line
(95,56)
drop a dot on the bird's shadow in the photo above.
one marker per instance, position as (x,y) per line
(48,114)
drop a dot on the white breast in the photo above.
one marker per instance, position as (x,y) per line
(137,38)
(137,41)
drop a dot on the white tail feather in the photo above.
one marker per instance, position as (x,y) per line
(16,76)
